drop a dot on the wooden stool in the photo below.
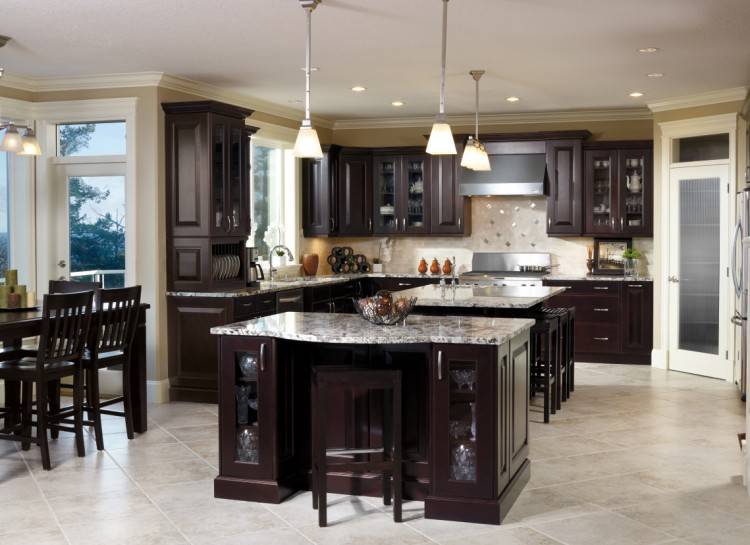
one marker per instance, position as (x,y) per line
(328,379)
(544,360)
(563,347)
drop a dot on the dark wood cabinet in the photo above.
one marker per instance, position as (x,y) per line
(614,319)
(618,182)
(318,181)
(565,201)
(353,194)
(207,193)
(451,211)
(638,329)
(248,423)
(388,191)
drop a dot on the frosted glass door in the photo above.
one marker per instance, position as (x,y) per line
(697,279)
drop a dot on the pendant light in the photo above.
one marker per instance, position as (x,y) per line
(15,143)
(12,140)
(308,144)
(441,138)
(475,156)
(29,144)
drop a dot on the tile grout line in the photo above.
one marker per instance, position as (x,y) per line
(44,497)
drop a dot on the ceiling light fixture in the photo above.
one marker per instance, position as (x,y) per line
(308,143)
(648,49)
(359,89)
(512,99)
(14,142)
(397,103)
(636,94)
(441,137)
(475,156)
(655,75)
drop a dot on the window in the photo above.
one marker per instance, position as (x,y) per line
(4,210)
(91,139)
(274,197)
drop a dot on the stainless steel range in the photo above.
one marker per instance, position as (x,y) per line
(507,269)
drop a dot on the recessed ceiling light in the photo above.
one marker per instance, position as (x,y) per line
(648,49)
(655,75)
(512,99)
(636,94)
(397,103)
(359,89)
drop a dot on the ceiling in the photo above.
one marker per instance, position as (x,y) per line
(553,54)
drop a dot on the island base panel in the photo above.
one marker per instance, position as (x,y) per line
(231,488)
(478,510)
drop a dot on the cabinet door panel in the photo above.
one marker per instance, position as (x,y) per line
(354,188)
(462,420)
(317,213)
(387,210)
(448,206)
(518,388)
(601,212)
(248,408)
(220,220)
(237,183)
(638,323)
(564,215)
(187,175)
(636,192)
(415,194)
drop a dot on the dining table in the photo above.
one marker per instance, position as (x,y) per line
(17,325)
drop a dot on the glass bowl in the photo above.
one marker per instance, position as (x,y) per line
(384,309)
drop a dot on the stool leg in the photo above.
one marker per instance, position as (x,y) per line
(41,423)
(387,446)
(322,469)
(572,325)
(53,393)
(547,385)
(558,374)
(314,447)
(92,393)
(396,435)
(26,404)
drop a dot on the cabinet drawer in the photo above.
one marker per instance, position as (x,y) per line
(597,337)
(598,309)
(290,301)
(588,287)
(257,305)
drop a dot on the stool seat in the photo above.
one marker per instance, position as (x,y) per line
(328,379)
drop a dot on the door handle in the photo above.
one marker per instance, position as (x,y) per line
(290,299)
(735,280)
(440,365)
(370,225)
(601,288)
(635,285)
(62,264)
(404,284)
(332,224)
(263,357)
(601,310)
(673,279)
(459,222)
(622,224)
(601,338)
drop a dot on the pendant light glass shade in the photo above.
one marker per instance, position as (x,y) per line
(475,156)
(12,141)
(441,137)
(307,145)
(29,144)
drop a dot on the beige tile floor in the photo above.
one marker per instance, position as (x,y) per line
(637,456)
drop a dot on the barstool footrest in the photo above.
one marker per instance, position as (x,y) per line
(351,452)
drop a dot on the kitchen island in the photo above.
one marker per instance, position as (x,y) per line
(465,411)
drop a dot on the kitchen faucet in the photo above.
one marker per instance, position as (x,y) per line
(272,253)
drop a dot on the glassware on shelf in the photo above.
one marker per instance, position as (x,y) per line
(242,394)
(247,444)
(248,364)
(464,462)
(465,379)
(460,429)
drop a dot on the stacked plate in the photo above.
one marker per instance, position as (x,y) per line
(226,266)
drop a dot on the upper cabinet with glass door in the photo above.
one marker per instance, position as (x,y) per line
(401,194)
(387,179)
(601,192)
(636,191)
(417,207)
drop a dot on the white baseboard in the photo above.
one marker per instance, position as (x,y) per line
(157,391)
(659,358)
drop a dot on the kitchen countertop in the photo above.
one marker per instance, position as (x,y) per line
(327,280)
(353,329)
(481,297)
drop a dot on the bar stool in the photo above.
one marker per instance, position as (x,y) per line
(544,360)
(328,379)
(563,352)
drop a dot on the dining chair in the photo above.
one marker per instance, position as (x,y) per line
(110,343)
(66,319)
(71,286)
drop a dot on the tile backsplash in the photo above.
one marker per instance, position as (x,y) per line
(499,224)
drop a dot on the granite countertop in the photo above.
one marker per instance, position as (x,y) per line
(297,282)
(353,329)
(598,278)
(481,297)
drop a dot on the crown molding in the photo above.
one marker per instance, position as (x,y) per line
(154,79)
(700,99)
(562,116)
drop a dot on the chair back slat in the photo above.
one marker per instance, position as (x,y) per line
(117,318)
(71,286)
(65,326)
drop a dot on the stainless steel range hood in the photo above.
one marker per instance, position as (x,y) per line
(518,168)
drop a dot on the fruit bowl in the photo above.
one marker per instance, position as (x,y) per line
(384,309)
